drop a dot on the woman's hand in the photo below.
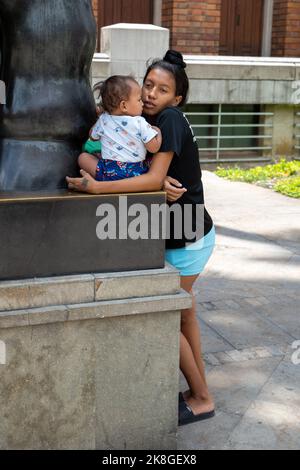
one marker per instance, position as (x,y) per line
(86,184)
(173,189)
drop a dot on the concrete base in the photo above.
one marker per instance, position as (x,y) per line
(82,370)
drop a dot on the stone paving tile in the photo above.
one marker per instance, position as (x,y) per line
(214,288)
(243,330)
(212,341)
(263,300)
(212,359)
(233,304)
(246,302)
(273,419)
(294,296)
(208,306)
(243,355)
(267,427)
(208,435)
(224,358)
(253,302)
(286,318)
(263,352)
(237,384)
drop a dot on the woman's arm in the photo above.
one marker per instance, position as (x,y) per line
(151,181)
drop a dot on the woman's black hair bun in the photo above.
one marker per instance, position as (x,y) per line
(175,58)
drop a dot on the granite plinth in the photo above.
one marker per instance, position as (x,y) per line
(81,369)
(52,234)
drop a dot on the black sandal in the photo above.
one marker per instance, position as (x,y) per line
(186,415)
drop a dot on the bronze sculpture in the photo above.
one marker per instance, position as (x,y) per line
(46,52)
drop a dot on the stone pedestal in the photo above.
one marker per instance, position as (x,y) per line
(91,361)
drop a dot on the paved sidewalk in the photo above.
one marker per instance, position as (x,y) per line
(249,311)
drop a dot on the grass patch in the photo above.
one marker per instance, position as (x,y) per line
(283,177)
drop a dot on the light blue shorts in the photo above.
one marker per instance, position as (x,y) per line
(192,259)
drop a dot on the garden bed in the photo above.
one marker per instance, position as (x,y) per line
(283,176)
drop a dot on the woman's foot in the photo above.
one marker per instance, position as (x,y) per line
(200,405)
(195,409)
(186,395)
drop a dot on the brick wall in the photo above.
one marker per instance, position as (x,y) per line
(194,25)
(286,28)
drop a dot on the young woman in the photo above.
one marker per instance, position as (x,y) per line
(165,90)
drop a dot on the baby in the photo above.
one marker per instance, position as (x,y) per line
(125,135)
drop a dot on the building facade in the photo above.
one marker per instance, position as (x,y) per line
(243,60)
(269,28)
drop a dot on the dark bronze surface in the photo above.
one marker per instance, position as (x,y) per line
(46,52)
(46,234)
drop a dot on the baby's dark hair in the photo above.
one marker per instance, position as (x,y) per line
(173,63)
(114,90)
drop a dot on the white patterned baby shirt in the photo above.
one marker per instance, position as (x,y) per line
(123,138)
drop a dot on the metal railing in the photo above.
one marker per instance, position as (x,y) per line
(235,153)
(297,134)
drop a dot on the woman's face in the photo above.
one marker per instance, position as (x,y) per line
(159,92)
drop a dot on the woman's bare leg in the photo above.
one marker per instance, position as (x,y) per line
(88,162)
(192,365)
(190,326)
(200,400)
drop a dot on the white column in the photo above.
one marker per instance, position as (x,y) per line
(129,46)
(267,28)
(157,12)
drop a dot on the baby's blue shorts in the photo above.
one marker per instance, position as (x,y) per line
(111,170)
(192,259)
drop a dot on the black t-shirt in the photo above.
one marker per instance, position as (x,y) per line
(178,137)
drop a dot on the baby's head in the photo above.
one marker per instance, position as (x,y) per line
(121,95)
